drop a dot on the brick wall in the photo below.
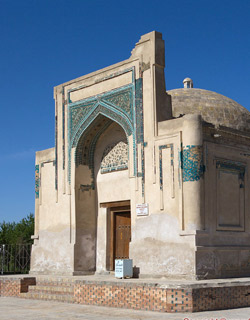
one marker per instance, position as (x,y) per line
(221,298)
(161,299)
(131,297)
(179,300)
(134,297)
(11,287)
(141,296)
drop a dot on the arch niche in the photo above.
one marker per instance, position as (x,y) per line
(102,147)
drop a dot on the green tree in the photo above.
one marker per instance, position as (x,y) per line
(7,231)
(17,233)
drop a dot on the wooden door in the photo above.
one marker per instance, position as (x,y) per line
(122,235)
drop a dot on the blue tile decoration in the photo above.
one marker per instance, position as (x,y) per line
(140,128)
(191,157)
(63,126)
(98,110)
(143,170)
(166,146)
(88,140)
(115,157)
(109,112)
(139,111)
(121,100)
(180,165)
(88,118)
(78,113)
(63,138)
(37,181)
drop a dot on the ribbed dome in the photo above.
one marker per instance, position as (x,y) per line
(213,107)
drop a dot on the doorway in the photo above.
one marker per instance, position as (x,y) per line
(119,235)
(122,234)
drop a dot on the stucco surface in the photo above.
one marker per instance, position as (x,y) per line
(49,256)
(158,249)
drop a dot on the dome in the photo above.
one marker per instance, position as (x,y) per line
(213,107)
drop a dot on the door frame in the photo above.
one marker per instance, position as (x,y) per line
(122,206)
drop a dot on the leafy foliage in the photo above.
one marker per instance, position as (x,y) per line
(17,233)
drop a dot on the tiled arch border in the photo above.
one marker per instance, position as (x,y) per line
(131,123)
(116,116)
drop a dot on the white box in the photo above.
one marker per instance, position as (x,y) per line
(123,268)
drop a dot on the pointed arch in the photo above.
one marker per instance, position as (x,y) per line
(122,105)
(107,111)
(110,112)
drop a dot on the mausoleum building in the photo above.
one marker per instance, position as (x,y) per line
(160,177)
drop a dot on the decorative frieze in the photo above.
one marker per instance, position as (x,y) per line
(37,181)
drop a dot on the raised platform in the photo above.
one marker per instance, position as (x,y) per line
(162,295)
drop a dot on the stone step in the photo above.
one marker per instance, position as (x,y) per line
(48,296)
(54,282)
(52,289)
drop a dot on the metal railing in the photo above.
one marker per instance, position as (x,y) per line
(15,258)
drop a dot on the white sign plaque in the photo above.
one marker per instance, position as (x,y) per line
(118,268)
(123,268)
(142,209)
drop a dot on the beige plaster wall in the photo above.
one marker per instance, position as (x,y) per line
(223,247)
(85,246)
(158,249)
(52,222)
(162,243)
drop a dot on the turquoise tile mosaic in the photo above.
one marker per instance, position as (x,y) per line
(88,118)
(56,149)
(98,110)
(140,129)
(37,181)
(63,126)
(192,166)
(139,111)
(63,136)
(86,145)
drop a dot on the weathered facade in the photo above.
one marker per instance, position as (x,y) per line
(159,177)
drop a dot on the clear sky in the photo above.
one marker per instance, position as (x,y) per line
(47,42)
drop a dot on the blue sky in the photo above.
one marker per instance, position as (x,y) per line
(47,42)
